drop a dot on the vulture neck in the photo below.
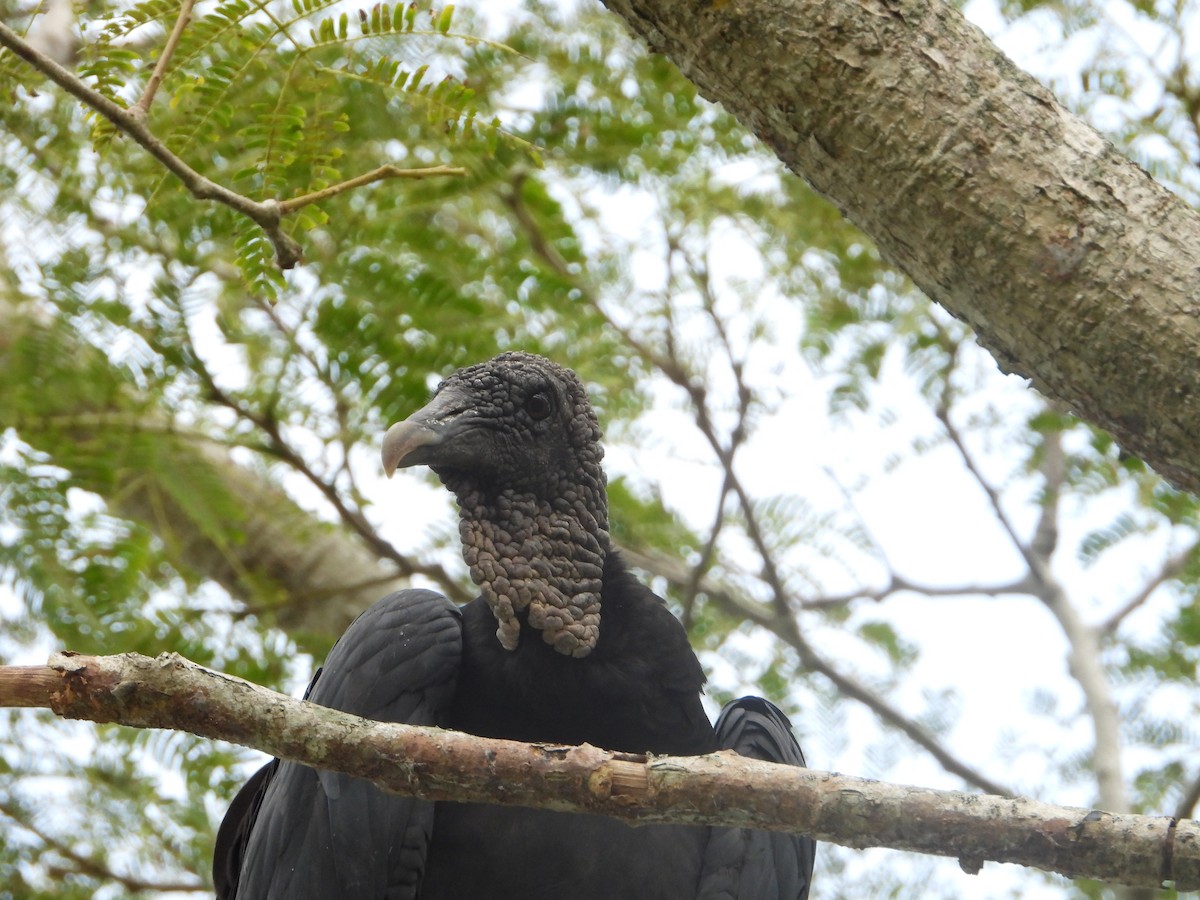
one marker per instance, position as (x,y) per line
(539,560)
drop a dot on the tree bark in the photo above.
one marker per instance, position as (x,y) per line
(1074,267)
(719,789)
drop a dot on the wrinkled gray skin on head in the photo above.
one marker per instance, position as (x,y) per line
(517,442)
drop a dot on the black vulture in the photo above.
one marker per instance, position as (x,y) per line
(564,645)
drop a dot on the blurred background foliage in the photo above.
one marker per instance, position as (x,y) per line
(943,577)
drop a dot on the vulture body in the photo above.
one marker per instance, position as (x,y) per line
(564,645)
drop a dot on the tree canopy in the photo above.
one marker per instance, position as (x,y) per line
(942,576)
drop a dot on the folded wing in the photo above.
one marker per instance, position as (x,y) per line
(295,832)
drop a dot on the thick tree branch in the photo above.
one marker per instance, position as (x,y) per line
(1073,266)
(719,789)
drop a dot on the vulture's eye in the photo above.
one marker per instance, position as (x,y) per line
(538,406)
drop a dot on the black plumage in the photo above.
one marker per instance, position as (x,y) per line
(564,645)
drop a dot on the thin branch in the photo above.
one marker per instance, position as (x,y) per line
(266,215)
(781,622)
(898,584)
(702,277)
(380,174)
(1084,658)
(707,555)
(1170,570)
(717,789)
(278,447)
(993,496)
(140,109)
(87,865)
(737,605)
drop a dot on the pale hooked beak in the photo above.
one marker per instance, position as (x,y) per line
(414,441)
(403,440)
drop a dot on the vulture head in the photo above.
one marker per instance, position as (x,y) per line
(516,441)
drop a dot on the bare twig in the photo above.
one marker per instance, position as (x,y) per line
(993,496)
(140,109)
(718,789)
(380,174)
(1170,570)
(738,605)
(898,583)
(87,865)
(267,214)
(707,555)
(781,622)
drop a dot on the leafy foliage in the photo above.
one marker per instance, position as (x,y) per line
(608,217)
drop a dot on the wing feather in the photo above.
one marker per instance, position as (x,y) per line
(743,863)
(297,833)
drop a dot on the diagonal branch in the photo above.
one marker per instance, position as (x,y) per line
(278,446)
(1090,260)
(957,440)
(707,556)
(87,865)
(267,214)
(380,174)
(142,108)
(677,573)
(718,789)
(1170,570)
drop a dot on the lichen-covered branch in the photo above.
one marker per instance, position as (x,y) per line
(718,789)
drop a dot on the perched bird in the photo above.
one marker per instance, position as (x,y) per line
(563,645)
